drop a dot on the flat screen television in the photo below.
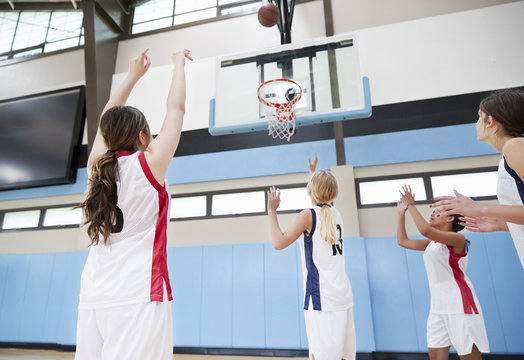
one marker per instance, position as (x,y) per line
(40,138)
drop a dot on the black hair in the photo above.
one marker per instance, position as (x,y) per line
(456,226)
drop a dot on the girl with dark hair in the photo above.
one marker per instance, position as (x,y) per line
(124,310)
(455,317)
(328,303)
(500,124)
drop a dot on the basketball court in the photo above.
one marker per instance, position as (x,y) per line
(385,95)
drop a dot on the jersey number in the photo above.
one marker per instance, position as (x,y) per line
(119,216)
(337,249)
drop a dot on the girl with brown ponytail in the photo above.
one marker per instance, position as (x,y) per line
(124,310)
(328,303)
(501,124)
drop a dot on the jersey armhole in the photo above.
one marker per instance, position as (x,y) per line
(148,173)
(313,225)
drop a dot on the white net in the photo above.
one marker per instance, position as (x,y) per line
(280,96)
(281,122)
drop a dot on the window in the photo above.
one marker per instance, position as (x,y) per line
(473,185)
(25,33)
(21,219)
(294,199)
(189,206)
(62,216)
(387,191)
(158,14)
(238,203)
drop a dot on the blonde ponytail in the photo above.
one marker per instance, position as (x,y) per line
(324,188)
(328,228)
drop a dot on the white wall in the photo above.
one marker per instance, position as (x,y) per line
(43,74)
(351,15)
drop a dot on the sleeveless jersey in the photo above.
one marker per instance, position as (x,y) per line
(132,267)
(510,191)
(451,290)
(326,284)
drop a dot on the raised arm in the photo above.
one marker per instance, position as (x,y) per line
(138,66)
(454,239)
(312,164)
(282,239)
(161,150)
(402,236)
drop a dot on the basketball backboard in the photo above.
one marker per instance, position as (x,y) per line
(328,70)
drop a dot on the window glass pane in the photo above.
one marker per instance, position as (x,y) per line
(184,6)
(21,219)
(62,216)
(64,44)
(8,21)
(32,28)
(152,25)
(154,9)
(294,199)
(239,203)
(190,206)
(28,53)
(387,191)
(195,16)
(475,184)
(240,8)
(64,25)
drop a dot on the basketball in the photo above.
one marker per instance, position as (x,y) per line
(268,15)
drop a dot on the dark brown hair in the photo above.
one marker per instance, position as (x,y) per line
(507,107)
(120,127)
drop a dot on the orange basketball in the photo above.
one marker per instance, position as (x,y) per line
(268,15)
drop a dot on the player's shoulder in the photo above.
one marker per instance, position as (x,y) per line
(512,151)
(514,146)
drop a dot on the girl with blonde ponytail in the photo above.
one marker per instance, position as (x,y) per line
(124,310)
(328,300)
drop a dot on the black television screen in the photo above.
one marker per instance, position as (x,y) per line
(40,136)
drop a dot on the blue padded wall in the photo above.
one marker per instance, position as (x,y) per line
(251,296)
(415,145)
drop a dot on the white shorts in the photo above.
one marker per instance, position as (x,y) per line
(138,331)
(461,331)
(331,334)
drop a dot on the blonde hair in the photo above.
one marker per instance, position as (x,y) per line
(324,188)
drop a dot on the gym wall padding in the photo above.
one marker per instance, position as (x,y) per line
(250,295)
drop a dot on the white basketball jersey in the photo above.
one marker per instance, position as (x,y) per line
(326,284)
(510,191)
(451,290)
(132,268)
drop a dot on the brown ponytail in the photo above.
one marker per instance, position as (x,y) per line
(324,188)
(120,127)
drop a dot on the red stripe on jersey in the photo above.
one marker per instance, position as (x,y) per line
(123,153)
(159,273)
(467,296)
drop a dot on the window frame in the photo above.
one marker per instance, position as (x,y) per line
(11,59)
(40,225)
(426,176)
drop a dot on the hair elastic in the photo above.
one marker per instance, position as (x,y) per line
(323,204)
(111,151)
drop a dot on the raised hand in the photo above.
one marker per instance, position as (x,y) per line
(139,65)
(458,204)
(273,199)
(483,224)
(179,58)
(406,195)
(312,165)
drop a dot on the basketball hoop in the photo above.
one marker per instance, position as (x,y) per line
(284,94)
